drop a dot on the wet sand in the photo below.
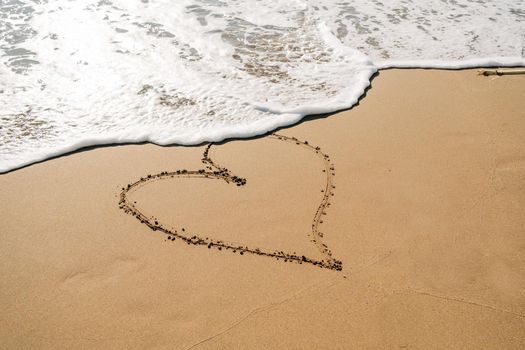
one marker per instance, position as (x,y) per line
(416,195)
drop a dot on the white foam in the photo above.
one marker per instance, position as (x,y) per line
(82,73)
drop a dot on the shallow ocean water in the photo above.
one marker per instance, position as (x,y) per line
(79,73)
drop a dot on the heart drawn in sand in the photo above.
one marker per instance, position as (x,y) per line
(216,172)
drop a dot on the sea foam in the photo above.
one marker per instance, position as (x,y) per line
(82,73)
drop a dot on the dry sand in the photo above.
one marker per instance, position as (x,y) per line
(427,219)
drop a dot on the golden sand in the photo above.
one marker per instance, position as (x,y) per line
(424,210)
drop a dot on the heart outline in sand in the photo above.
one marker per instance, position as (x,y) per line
(214,171)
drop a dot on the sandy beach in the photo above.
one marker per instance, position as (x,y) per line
(397,224)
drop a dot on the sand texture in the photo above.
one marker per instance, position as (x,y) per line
(398,224)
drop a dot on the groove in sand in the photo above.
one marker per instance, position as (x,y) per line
(214,171)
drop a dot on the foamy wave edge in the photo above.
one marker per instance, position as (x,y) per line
(488,62)
(262,127)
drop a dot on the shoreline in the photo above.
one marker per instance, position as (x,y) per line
(303,119)
(426,218)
